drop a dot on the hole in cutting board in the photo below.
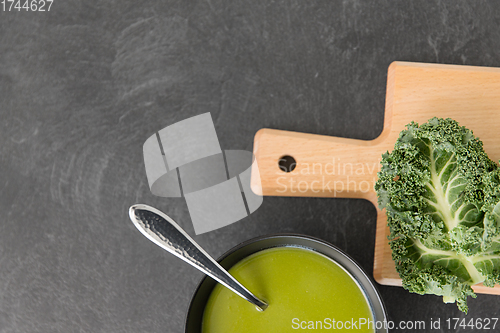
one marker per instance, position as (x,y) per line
(287,163)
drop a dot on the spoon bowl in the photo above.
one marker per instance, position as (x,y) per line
(164,232)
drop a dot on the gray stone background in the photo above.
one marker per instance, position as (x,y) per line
(84,85)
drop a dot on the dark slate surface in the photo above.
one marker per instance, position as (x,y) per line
(84,85)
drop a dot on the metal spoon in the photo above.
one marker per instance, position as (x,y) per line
(164,232)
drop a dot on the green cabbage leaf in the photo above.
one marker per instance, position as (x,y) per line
(441,194)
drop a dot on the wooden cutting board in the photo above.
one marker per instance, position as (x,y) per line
(346,168)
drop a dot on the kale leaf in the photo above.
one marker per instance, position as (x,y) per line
(441,194)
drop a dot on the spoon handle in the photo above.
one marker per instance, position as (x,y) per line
(164,232)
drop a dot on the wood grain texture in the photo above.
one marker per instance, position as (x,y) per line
(339,167)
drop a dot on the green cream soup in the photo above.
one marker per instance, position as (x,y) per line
(305,291)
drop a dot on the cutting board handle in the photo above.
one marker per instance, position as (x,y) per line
(324,166)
